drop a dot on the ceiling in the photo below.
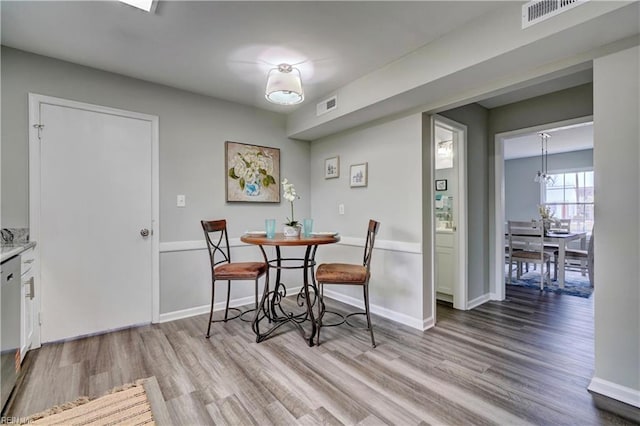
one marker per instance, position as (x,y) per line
(225,49)
(565,139)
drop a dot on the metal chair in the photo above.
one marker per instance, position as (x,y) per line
(531,233)
(222,269)
(348,274)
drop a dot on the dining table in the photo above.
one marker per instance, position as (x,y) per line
(562,239)
(272,313)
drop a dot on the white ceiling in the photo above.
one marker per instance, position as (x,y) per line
(224,49)
(566,139)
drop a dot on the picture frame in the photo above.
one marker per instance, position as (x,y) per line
(252,173)
(441,184)
(358,175)
(332,167)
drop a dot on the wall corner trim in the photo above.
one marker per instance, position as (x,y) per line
(615,391)
(478,301)
(428,323)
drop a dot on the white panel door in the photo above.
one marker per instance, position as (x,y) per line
(95,197)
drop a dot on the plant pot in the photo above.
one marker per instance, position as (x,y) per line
(291,231)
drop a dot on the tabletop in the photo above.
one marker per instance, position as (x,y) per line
(281,240)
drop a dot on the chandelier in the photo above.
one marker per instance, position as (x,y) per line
(542,176)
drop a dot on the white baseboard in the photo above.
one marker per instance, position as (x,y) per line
(378,310)
(615,391)
(478,301)
(204,309)
(428,323)
(494,297)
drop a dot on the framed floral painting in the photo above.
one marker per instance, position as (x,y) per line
(252,173)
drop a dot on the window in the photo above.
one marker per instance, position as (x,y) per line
(570,196)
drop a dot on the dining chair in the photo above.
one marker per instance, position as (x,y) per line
(584,257)
(558,225)
(531,233)
(348,274)
(223,269)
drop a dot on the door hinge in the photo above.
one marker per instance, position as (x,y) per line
(39,127)
(39,318)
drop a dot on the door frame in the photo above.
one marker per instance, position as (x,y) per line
(35,101)
(497,239)
(461,288)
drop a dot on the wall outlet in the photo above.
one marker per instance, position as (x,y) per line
(340,208)
(181,201)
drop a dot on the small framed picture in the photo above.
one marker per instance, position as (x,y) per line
(332,167)
(441,185)
(358,175)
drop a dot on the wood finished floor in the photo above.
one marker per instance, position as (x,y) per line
(527,360)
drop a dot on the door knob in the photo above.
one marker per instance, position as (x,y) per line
(144,232)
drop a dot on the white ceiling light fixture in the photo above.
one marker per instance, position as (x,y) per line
(284,85)
(146,5)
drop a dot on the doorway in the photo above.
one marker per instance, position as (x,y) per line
(450,210)
(93,212)
(527,202)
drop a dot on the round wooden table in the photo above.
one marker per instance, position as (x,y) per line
(270,307)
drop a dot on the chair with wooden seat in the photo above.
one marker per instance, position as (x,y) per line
(583,258)
(532,234)
(222,269)
(348,274)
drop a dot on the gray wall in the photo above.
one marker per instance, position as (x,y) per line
(475,117)
(392,149)
(193,129)
(522,194)
(617,233)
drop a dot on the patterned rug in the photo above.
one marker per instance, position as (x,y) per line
(574,283)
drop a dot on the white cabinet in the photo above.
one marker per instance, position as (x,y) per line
(445,265)
(28,285)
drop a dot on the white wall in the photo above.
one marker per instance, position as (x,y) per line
(193,130)
(617,233)
(393,197)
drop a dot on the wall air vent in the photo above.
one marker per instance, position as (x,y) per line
(538,10)
(327,105)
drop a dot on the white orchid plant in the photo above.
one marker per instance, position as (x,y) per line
(289,194)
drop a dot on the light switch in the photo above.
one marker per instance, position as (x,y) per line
(181,201)
(341,208)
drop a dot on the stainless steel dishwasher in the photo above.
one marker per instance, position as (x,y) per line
(10,329)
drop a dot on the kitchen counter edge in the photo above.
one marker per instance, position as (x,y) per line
(11,250)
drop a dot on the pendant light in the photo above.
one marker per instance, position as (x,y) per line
(542,176)
(284,85)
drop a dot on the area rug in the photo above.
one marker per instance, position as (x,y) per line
(574,283)
(125,405)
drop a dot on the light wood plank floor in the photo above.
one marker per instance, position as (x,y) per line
(527,360)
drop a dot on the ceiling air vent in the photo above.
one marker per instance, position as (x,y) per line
(538,10)
(327,105)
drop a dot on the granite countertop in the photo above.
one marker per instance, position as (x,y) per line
(14,249)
